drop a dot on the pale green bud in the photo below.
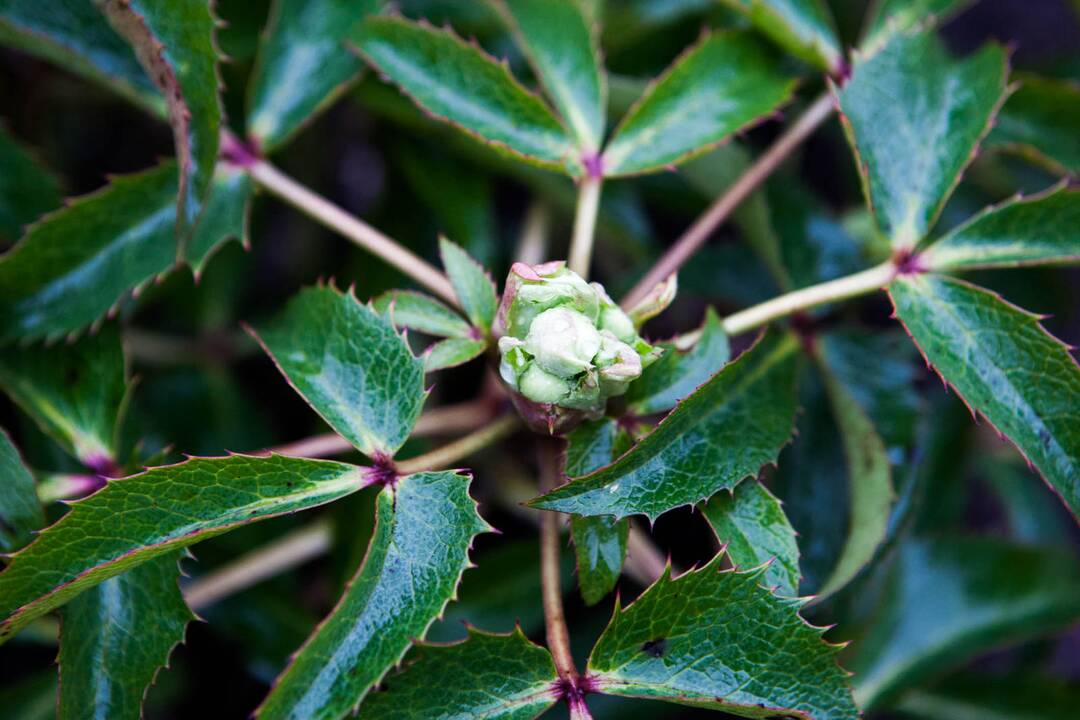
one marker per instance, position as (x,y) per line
(541,386)
(563,342)
(618,364)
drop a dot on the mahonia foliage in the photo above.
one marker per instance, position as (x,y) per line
(830,478)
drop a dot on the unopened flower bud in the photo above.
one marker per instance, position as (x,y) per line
(563,341)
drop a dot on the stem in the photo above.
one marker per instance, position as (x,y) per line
(558,637)
(588,205)
(448,454)
(445,420)
(283,554)
(644,562)
(696,235)
(351,227)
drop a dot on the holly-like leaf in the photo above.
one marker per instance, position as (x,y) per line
(719,639)
(472,284)
(416,311)
(20,511)
(225,217)
(425,525)
(723,84)
(977,696)
(889,17)
(562,48)
(174,42)
(915,117)
(678,374)
(1004,365)
(1041,230)
(751,524)
(496,677)
(154,513)
(802,27)
(302,65)
(27,189)
(725,432)
(116,636)
(456,82)
(952,598)
(350,365)
(75,264)
(75,393)
(75,36)
(599,542)
(452,352)
(1041,120)
(870,488)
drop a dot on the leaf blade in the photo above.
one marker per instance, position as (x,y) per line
(802,27)
(472,284)
(1039,121)
(416,311)
(20,510)
(452,352)
(27,189)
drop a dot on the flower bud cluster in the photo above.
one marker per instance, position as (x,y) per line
(564,342)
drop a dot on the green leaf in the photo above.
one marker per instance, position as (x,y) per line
(750,522)
(869,481)
(496,677)
(302,65)
(1004,365)
(452,352)
(915,117)
(1040,230)
(953,598)
(151,514)
(424,528)
(76,263)
(1041,120)
(802,27)
(350,365)
(562,49)
(416,311)
(27,189)
(472,284)
(75,36)
(723,84)
(76,393)
(889,17)
(115,637)
(31,697)
(977,696)
(726,431)
(720,640)
(20,511)
(678,374)
(225,217)
(174,42)
(457,83)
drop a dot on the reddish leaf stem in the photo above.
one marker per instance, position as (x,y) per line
(696,235)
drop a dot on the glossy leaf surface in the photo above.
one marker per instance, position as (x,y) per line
(457,83)
(116,636)
(174,42)
(27,189)
(472,284)
(423,532)
(724,83)
(889,17)
(350,365)
(496,677)
(723,433)
(1041,120)
(20,511)
(78,38)
(677,374)
(953,598)
(145,516)
(1044,229)
(720,640)
(562,49)
(225,217)
(303,65)
(452,352)
(1005,366)
(416,311)
(75,393)
(802,27)
(915,117)
(750,523)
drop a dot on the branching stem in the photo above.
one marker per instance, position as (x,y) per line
(445,456)
(588,205)
(696,235)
